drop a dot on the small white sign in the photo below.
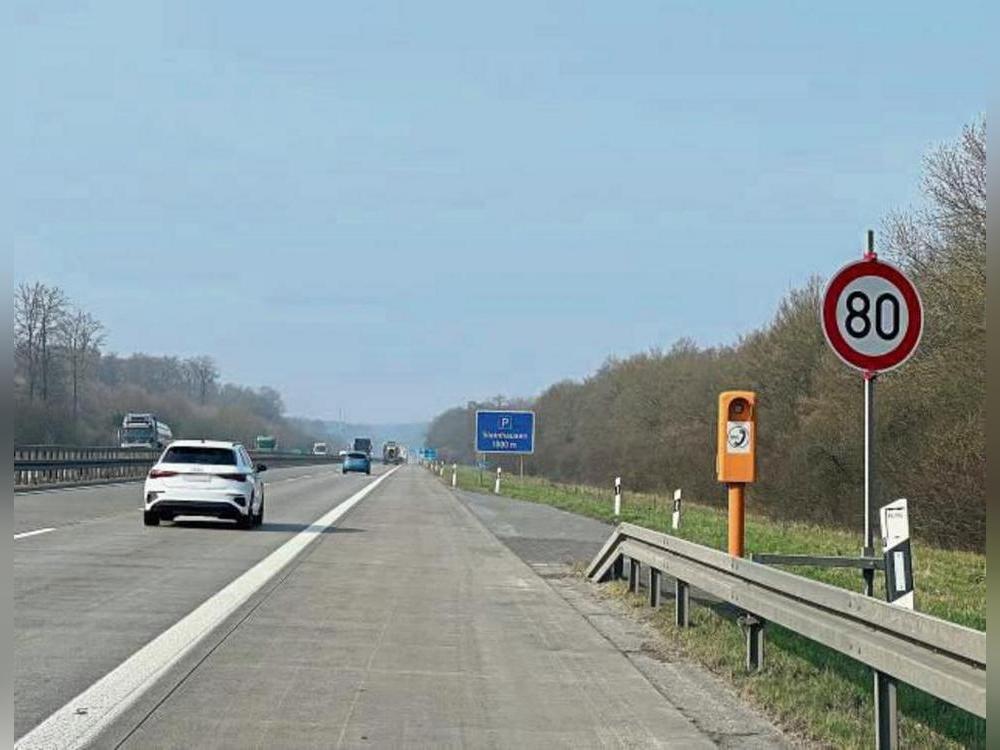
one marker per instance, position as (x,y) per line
(895,523)
(738,436)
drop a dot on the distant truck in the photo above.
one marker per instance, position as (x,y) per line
(266,443)
(392,453)
(144,430)
(362,445)
(320,449)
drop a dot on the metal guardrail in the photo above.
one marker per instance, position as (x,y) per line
(61,465)
(946,660)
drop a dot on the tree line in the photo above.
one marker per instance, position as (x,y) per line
(651,417)
(67,390)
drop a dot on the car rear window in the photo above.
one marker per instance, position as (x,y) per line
(185,454)
(354,454)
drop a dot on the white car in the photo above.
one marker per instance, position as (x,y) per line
(204,478)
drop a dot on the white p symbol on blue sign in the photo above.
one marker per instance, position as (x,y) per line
(505,423)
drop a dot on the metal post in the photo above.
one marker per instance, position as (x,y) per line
(654,587)
(886,719)
(869,549)
(754,630)
(633,575)
(737,516)
(522,467)
(886,714)
(618,568)
(682,603)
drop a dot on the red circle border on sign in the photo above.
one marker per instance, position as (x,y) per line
(914,307)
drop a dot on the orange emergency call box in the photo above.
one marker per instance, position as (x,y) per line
(736,459)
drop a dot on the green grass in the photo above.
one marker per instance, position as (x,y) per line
(808,689)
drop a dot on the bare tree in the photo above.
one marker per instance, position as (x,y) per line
(81,336)
(204,375)
(53,310)
(39,312)
(27,299)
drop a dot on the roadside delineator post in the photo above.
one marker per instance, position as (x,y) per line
(675,517)
(454,475)
(618,496)
(496,485)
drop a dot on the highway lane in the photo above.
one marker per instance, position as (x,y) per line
(100,585)
(420,630)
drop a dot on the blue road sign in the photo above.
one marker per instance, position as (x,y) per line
(505,432)
(430,454)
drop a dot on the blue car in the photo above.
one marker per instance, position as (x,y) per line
(357,461)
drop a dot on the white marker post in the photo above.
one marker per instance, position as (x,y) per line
(496,486)
(895,524)
(454,475)
(618,496)
(675,517)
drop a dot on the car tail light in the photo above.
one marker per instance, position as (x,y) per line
(160,473)
(234,477)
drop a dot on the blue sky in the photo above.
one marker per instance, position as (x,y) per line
(387,209)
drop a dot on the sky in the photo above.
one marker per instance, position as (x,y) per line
(387,209)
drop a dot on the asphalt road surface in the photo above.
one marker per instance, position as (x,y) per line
(403,622)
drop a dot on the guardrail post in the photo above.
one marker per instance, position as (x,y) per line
(655,578)
(633,575)
(753,628)
(618,568)
(886,714)
(682,603)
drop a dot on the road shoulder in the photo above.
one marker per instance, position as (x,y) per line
(557,544)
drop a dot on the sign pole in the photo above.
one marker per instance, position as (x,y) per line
(872,317)
(522,466)
(869,548)
(886,713)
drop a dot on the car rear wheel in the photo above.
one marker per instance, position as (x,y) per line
(150,518)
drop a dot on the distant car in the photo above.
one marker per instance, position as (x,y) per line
(204,478)
(357,461)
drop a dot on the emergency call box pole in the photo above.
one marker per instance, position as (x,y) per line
(736,458)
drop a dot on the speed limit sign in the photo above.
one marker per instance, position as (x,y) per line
(872,315)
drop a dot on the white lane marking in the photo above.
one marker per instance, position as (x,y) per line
(292,479)
(83,718)
(36,532)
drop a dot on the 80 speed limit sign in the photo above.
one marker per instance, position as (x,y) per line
(872,315)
